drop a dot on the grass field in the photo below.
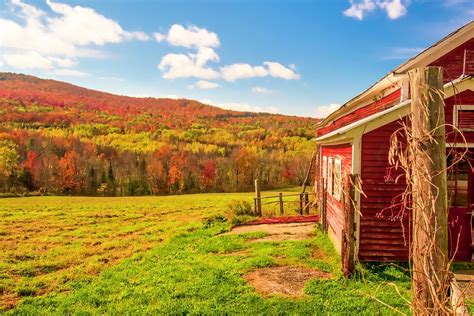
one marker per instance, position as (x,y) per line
(157,254)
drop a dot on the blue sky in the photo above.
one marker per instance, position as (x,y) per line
(292,57)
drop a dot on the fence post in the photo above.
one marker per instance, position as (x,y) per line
(301,203)
(306,203)
(323,206)
(280,198)
(348,241)
(258,200)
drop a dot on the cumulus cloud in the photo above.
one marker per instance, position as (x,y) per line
(42,40)
(203,84)
(27,60)
(242,71)
(393,8)
(189,37)
(189,65)
(245,71)
(324,110)
(262,90)
(279,71)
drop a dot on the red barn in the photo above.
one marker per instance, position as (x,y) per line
(355,140)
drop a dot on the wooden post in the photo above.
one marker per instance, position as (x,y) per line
(308,172)
(301,203)
(429,194)
(280,198)
(258,198)
(306,203)
(348,240)
(323,207)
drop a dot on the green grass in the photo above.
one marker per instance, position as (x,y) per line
(158,255)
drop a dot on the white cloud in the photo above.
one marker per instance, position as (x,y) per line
(190,37)
(28,60)
(245,71)
(159,37)
(279,71)
(359,9)
(203,84)
(394,8)
(70,73)
(190,65)
(262,90)
(60,36)
(242,71)
(324,110)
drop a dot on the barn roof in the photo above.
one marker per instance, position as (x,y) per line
(367,124)
(424,58)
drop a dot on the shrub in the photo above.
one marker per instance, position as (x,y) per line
(240,212)
(239,208)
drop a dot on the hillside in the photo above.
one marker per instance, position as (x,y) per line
(59,138)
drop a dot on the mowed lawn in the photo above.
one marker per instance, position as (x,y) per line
(84,255)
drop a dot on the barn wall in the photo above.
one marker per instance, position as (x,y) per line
(335,208)
(453,62)
(381,227)
(375,107)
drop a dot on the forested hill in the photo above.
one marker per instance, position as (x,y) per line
(63,139)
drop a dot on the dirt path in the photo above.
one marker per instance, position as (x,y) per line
(277,232)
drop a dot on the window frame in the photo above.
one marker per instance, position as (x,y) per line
(337,185)
(461,107)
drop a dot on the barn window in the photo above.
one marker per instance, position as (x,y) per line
(330,175)
(463,117)
(337,187)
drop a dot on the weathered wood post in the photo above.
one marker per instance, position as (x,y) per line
(429,194)
(348,240)
(306,203)
(323,206)
(301,203)
(280,199)
(258,198)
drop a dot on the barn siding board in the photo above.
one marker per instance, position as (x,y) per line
(335,208)
(453,62)
(381,236)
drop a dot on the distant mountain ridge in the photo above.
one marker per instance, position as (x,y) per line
(29,88)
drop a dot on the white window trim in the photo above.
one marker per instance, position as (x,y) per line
(337,180)
(461,107)
(330,176)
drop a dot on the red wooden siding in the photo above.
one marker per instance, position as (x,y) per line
(381,231)
(382,104)
(463,98)
(335,208)
(453,62)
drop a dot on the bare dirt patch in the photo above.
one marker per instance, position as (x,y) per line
(284,280)
(277,232)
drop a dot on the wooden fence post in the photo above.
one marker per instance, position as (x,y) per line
(348,240)
(280,198)
(323,207)
(429,193)
(301,203)
(258,198)
(306,203)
